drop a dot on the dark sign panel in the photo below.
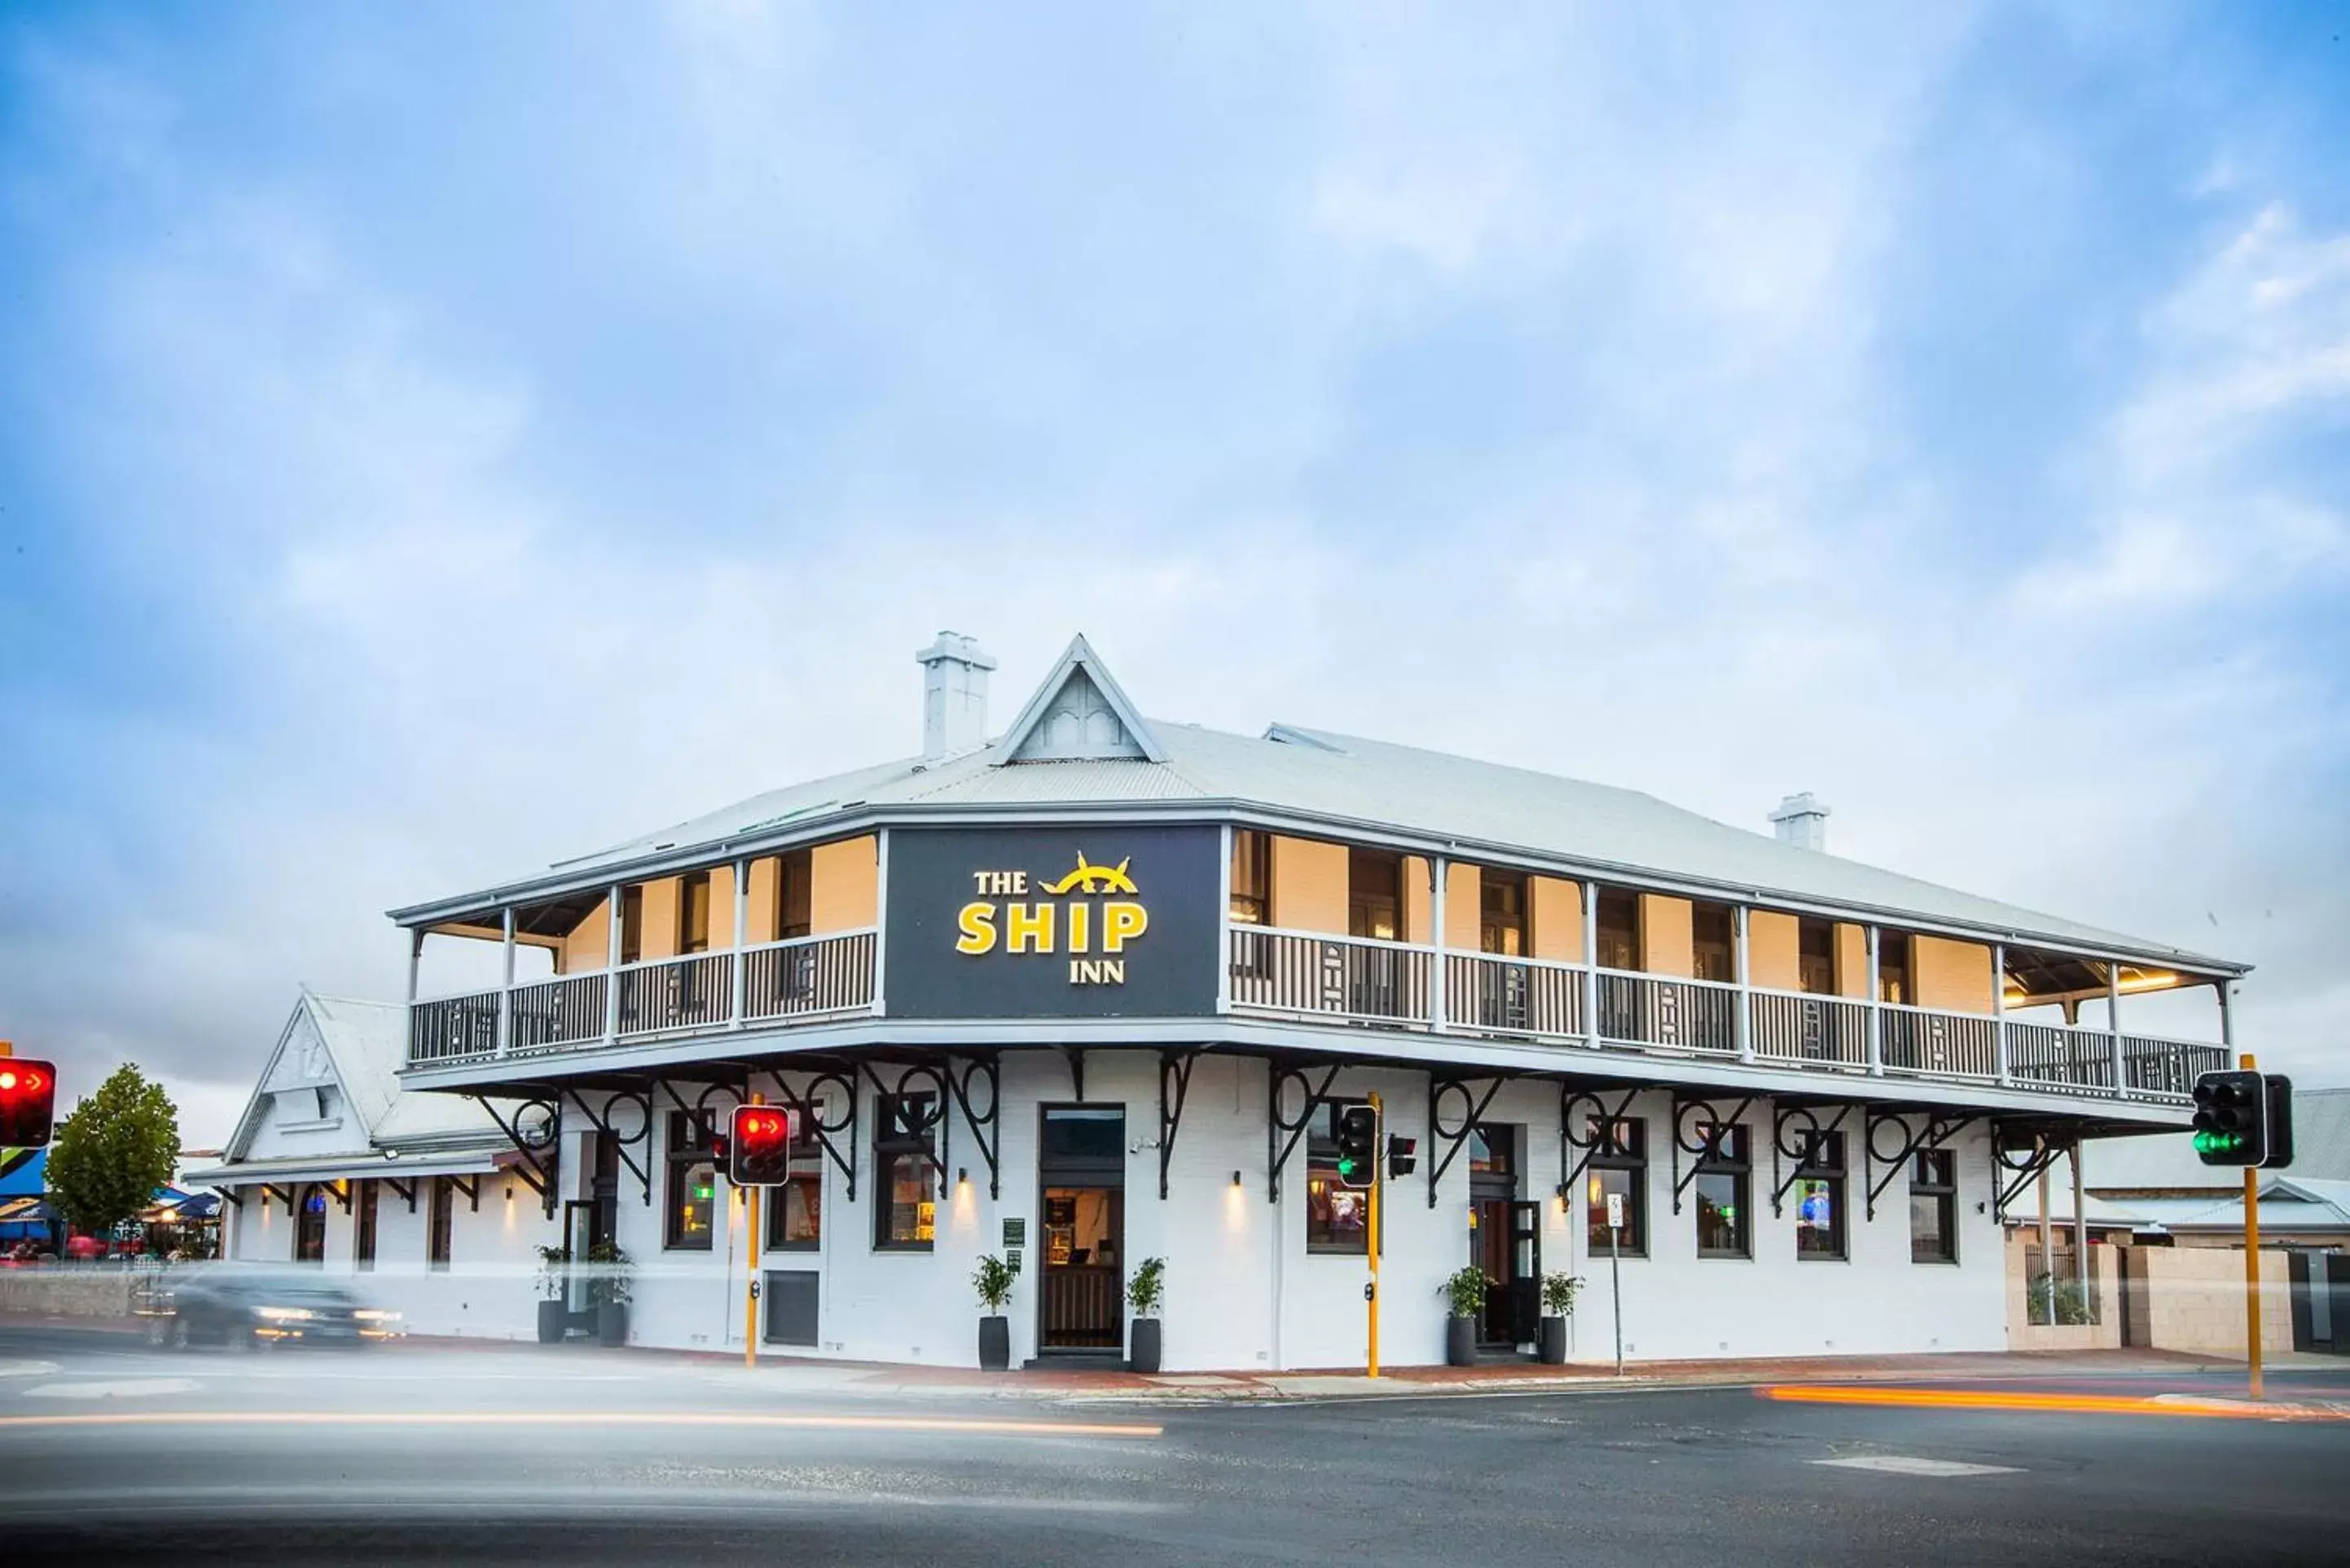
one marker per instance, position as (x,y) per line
(1052,923)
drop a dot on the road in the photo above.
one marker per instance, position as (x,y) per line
(109,1453)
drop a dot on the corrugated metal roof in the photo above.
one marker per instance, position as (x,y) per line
(2320,1138)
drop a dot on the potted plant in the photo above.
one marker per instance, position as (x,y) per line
(1558,1305)
(1465,1289)
(991,1280)
(607,1291)
(1144,1293)
(554,1312)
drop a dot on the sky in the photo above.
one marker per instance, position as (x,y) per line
(437,440)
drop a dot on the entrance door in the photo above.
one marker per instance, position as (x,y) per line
(1081,1240)
(1523,1290)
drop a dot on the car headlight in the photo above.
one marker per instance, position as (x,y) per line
(375,1315)
(284,1314)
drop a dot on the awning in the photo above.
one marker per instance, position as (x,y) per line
(349,1168)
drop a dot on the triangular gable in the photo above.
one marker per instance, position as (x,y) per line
(300,1060)
(1079,714)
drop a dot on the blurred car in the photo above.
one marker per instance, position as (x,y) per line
(248,1308)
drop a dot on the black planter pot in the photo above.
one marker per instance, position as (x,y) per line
(1460,1341)
(994,1345)
(1142,1356)
(554,1322)
(612,1322)
(1554,1342)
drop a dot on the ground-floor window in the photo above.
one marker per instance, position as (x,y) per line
(796,1209)
(905,1172)
(310,1224)
(1338,1217)
(692,1187)
(1619,1167)
(1933,1208)
(1723,1176)
(440,1220)
(1819,1199)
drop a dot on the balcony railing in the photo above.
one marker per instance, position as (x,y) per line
(1810,1030)
(1513,995)
(1661,1014)
(804,980)
(1939,1044)
(1343,977)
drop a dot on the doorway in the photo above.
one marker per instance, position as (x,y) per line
(1504,1238)
(1081,1172)
(310,1225)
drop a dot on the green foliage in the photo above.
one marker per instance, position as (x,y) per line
(1558,1293)
(992,1281)
(554,1265)
(111,1154)
(2059,1301)
(609,1271)
(1147,1288)
(1465,1287)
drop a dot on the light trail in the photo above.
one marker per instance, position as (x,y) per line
(942,1424)
(2045,1403)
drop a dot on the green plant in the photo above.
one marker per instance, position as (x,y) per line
(553,1264)
(2059,1301)
(1147,1288)
(608,1274)
(1465,1287)
(1558,1293)
(113,1152)
(991,1280)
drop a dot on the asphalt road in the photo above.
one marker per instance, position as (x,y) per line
(112,1453)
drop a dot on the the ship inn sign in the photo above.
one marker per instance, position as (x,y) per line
(1100,921)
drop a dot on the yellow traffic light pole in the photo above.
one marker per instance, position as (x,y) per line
(751,1274)
(1378,1180)
(2252,1259)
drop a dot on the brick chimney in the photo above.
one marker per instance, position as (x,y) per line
(954,696)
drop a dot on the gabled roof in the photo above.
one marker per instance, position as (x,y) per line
(1078,713)
(361,1046)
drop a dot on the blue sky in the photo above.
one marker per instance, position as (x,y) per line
(436,440)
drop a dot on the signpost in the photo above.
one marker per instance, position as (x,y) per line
(1616,1271)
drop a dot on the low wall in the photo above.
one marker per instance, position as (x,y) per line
(66,1290)
(2023,1333)
(2195,1300)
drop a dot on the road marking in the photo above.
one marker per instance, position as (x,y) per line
(2043,1404)
(982,1427)
(123,1388)
(26,1368)
(1909,1465)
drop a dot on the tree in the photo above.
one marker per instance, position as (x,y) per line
(109,1156)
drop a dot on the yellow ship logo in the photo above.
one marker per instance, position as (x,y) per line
(1088,878)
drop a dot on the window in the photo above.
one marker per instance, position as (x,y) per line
(440,1219)
(1893,967)
(310,1225)
(1723,1179)
(692,1187)
(794,872)
(1709,936)
(1619,929)
(363,1225)
(1933,1208)
(796,1209)
(694,912)
(1493,1150)
(1819,1199)
(1374,895)
(905,1172)
(1337,1218)
(632,924)
(1251,896)
(1619,1165)
(1815,957)
(1501,913)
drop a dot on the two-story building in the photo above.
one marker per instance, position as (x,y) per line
(1093,992)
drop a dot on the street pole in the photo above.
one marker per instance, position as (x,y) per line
(751,1274)
(1616,1272)
(1378,1180)
(2251,1259)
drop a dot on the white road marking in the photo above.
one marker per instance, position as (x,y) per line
(26,1368)
(125,1388)
(1908,1465)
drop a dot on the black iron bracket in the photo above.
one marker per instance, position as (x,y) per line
(2037,1159)
(1920,1131)
(1569,1097)
(1707,1147)
(937,1117)
(804,1104)
(285,1193)
(1473,1105)
(1174,1088)
(230,1196)
(541,1160)
(1276,1151)
(1803,1121)
(340,1191)
(986,1130)
(405,1191)
(643,1171)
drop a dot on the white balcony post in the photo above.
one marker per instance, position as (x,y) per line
(506,984)
(1999,1013)
(416,958)
(2226,1022)
(1591,965)
(741,937)
(1224,917)
(1876,1012)
(612,969)
(1441,869)
(881,916)
(2114,1023)
(1745,983)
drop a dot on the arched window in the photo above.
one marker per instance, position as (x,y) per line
(310,1224)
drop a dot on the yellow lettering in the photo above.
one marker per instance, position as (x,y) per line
(1121,922)
(1025,924)
(1080,919)
(978,923)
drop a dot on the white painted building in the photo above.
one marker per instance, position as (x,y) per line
(1093,992)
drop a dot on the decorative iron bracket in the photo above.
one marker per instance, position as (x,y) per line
(231,1196)
(986,1131)
(2037,1159)
(1918,1136)
(1808,1134)
(1276,1152)
(1175,1074)
(803,1104)
(1453,1137)
(643,1135)
(541,1158)
(1708,1148)
(1569,1097)
(471,1186)
(405,1191)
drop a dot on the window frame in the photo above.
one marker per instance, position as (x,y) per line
(1516,920)
(1835,1173)
(1902,991)
(1806,925)
(805,1170)
(1616,1152)
(688,1145)
(795,895)
(632,923)
(1945,1191)
(693,913)
(1322,1164)
(892,1145)
(1620,898)
(1739,1168)
(1252,851)
(1705,914)
(1363,906)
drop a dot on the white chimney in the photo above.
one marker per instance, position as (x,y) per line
(954,696)
(1802,822)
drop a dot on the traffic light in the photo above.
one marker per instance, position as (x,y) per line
(2230,1118)
(1403,1155)
(2280,1128)
(759,1148)
(1358,1146)
(28,1102)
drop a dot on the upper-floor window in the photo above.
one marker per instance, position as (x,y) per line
(1709,942)
(1893,967)
(694,912)
(794,872)
(632,924)
(1619,929)
(1374,894)
(1251,896)
(1501,913)
(1815,957)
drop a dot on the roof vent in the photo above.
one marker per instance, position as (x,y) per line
(1802,821)
(954,696)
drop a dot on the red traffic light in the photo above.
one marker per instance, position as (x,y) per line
(759,1152)
(28,1091)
